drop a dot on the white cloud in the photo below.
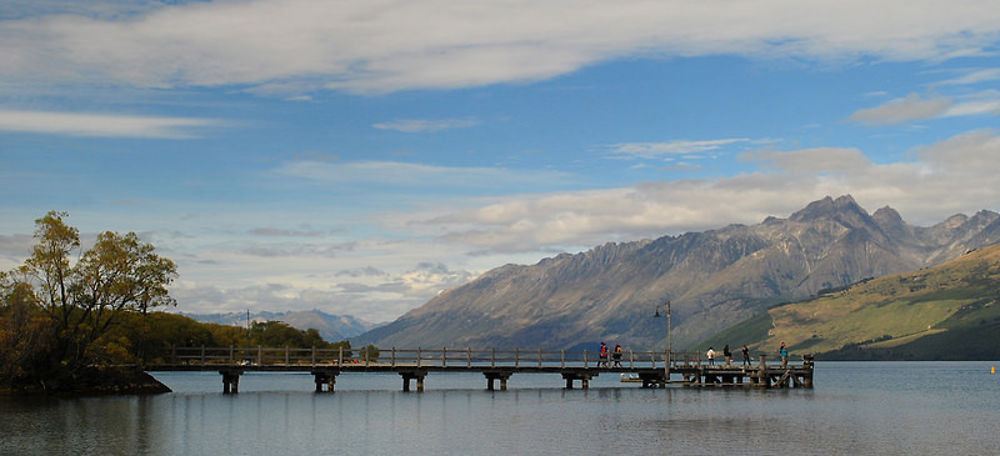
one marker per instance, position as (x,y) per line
(986,102)
(975,77)
(423,125)
(416,175)
(818,160)
(649,150)
(963,167)
(370,292)
(382,46)
(973,153)
(103,125)
(901,110)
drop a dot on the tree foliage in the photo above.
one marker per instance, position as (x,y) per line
(66,302)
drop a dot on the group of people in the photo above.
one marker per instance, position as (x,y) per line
(616,354)
(710,355)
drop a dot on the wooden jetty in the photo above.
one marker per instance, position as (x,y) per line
(650,369)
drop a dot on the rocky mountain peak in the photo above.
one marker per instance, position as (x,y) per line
(953,222)
(983,218)
(828,208)
(890,222)
(886,215)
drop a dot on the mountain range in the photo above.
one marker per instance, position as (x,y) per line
(332,328)
(713,280)
(948,312)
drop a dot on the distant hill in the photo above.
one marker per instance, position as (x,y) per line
(332,328)
(949,312)
(714,279)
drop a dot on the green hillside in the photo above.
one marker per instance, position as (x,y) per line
(949,312)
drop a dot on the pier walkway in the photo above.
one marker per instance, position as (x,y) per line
(650,369)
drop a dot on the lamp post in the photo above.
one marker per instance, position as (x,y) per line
(670,353)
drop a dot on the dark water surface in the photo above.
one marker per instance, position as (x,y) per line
(855,408)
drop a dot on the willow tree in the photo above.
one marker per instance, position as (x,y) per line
(83,293)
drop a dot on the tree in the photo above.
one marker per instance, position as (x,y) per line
(368,353)
(280,334)
(84,299)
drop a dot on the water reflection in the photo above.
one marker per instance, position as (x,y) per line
(855,408)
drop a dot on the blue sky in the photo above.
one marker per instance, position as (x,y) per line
(359,157)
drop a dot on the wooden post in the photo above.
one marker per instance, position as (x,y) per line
(517,354)
(363,349)
(260,355)
(286,355)
(631,359)
(666,367)
(202,354)
(340,356)
(562,357)
(418,362)
(232,353)
(230,380)
(327,377)
(493,357)
(468,356)
(393,361)
(314,355)
(539,357)
(585,359)
(763,378)
(444,357)
(807,378)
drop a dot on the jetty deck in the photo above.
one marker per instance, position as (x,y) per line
(648,368)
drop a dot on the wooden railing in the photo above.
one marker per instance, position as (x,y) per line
(424,357)
(420,357)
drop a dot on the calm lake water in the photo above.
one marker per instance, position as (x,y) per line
(855,408)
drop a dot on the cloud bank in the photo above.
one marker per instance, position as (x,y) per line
(383,46)
(104,125)
(964,167)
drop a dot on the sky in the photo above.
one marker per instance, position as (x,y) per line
(359,157)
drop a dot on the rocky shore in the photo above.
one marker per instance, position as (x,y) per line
(97,381)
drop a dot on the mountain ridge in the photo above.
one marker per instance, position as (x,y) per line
(713,278)
(331,327)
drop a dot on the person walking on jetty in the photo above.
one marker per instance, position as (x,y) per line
(784,354)
(710,355)
(604,356)
(746,356)
(617,355)
(728,354)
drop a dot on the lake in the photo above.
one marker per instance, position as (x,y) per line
(855,408)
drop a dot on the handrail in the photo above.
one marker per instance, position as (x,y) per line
(420,357)
(444,357)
